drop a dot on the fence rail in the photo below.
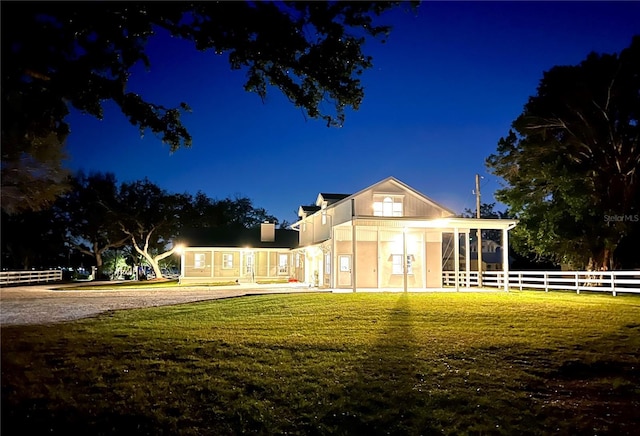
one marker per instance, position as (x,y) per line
(599,281)
(17,277)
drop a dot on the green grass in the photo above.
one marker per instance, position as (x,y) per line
(445,363)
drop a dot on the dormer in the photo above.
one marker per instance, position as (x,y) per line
(325,200)
(305,211)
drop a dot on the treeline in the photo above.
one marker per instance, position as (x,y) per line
(98,216)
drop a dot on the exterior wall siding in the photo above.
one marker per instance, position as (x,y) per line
(265,265)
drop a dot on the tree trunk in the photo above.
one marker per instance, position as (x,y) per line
(606,259)
(99,264)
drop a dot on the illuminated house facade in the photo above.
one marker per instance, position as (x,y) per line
(386,236)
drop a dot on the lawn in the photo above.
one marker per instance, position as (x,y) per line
(433,363)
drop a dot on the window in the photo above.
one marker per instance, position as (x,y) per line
(283,264)
(304,227)
(198,260)
(396,260)
(327,263)
(227,261)
(324,217)
(387,206)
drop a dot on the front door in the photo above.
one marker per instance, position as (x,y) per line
(344,270)
(249,272)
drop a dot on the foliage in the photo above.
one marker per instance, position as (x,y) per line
(31,172)
(439,363)
(61,55)
(33,240)
(572,163)
(90,214)
(151,218)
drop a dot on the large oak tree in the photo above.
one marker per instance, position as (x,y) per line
(89,210)
(572,160)
(57,55)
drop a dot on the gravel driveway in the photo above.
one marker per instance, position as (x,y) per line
(40,304)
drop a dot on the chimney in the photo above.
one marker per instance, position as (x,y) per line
(267,232)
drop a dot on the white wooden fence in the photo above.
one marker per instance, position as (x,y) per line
(17,277)
(599,281)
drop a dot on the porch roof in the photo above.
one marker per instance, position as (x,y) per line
(437,223)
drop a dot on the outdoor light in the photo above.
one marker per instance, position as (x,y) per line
(179,248)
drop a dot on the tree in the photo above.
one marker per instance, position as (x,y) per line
(571,163)
(151,218)
(90,213)
(57,55)
(33,239)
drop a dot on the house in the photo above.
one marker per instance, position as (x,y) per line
(386,236)
(237,254)
(491,255)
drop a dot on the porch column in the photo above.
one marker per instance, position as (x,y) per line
(213,264)
(378,260)
(353,243)
(505,258)
(182,263)
(456,255)
(404,257)
(467,260)
(353,254)
(334,264)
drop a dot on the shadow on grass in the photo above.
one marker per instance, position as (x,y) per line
(384,395)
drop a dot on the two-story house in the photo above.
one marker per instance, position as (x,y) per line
(386,236)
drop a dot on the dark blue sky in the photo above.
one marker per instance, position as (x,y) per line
(444,88)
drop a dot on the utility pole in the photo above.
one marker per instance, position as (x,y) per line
(479,234)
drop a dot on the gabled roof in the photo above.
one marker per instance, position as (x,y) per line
(403,185)
(237,237)
(330,198)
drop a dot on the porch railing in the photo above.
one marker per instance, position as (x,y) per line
(598,281)
(17,277)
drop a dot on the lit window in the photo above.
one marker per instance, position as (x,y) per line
(227,261)
(396,260)
(283,264)
(387,206)
(198,260)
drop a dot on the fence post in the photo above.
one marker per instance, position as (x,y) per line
(577,282)
(546,284)
(613,285)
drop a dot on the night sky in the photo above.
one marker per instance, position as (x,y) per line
(444,89)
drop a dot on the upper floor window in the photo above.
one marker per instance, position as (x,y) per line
(387,206)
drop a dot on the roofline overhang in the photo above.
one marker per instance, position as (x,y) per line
(435,223)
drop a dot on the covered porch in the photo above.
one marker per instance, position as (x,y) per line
(395,253)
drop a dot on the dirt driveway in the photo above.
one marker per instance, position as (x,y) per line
(40,304)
